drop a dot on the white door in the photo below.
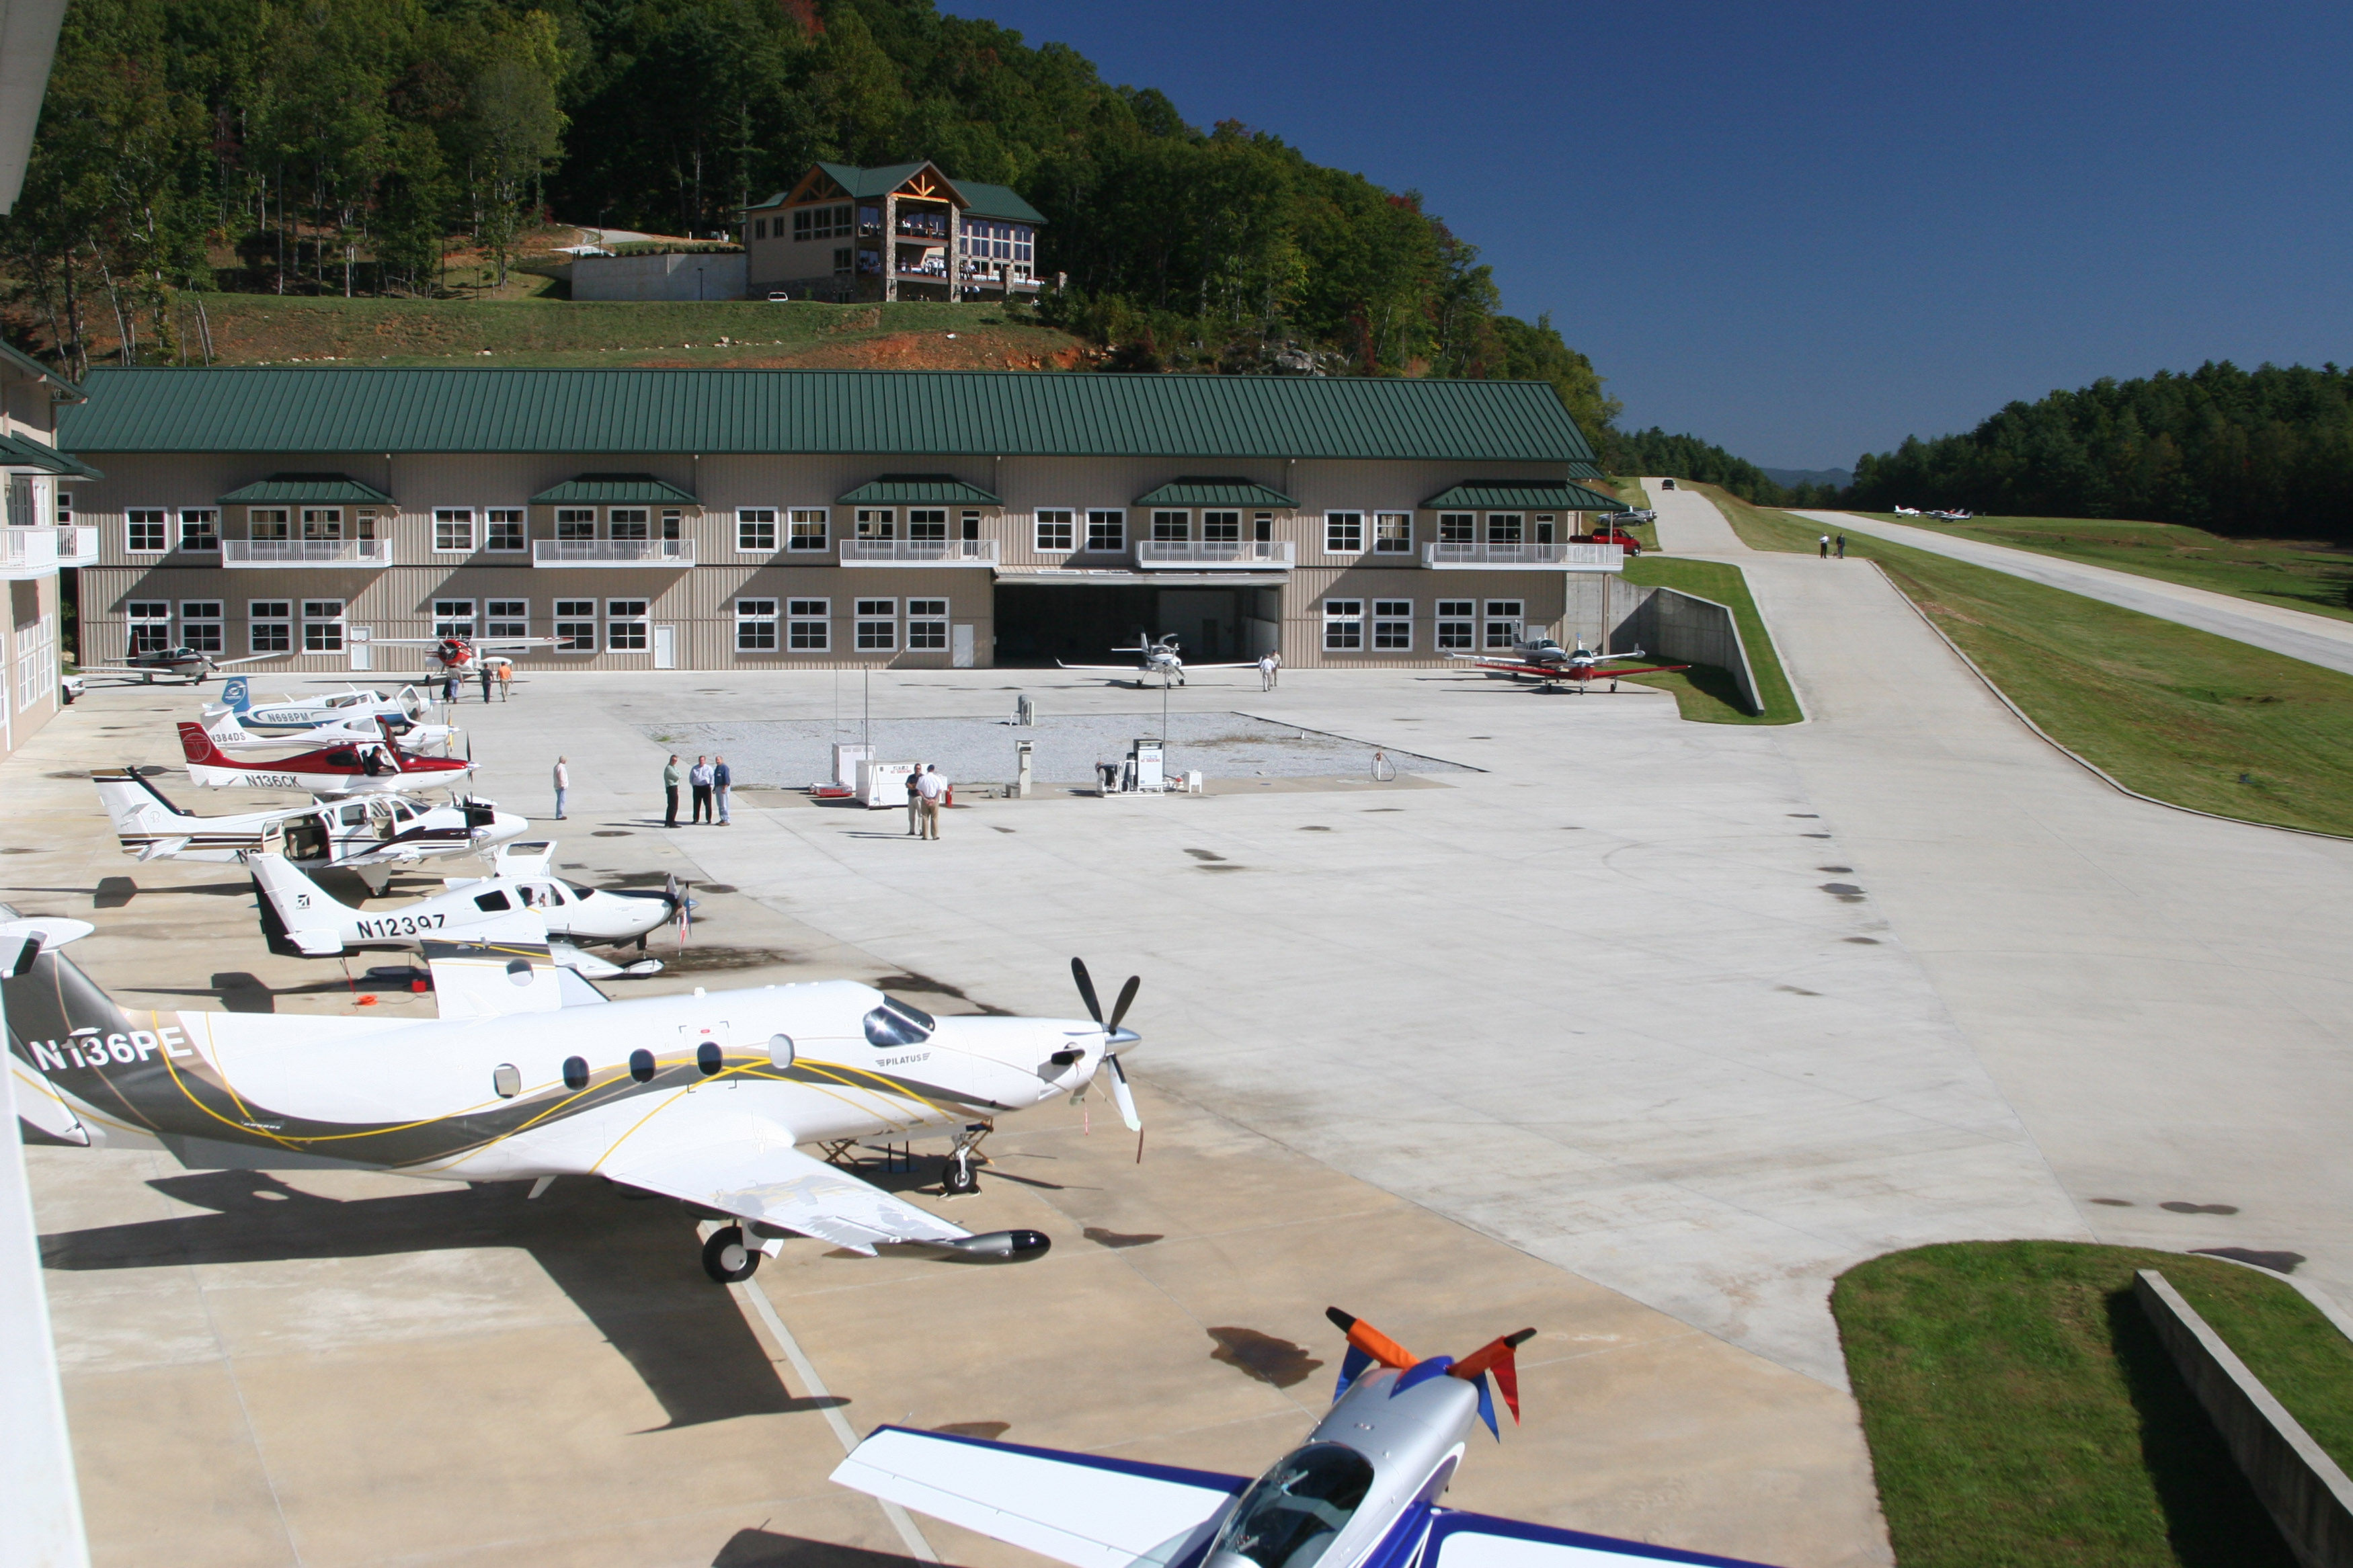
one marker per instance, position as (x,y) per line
(356,638)
(960,647)
(665,647)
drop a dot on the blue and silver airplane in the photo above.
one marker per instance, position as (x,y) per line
(1362,1492)
(355,709)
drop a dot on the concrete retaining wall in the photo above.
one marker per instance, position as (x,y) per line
(1682,629)
(677,275)
(2306,1492)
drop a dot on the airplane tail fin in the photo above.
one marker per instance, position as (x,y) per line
(299,918)
(60,1026)
(198,747)
(134,806)
(236,696)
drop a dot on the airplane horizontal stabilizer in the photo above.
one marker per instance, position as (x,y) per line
(1079,1509)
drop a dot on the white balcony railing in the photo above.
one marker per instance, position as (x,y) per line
(612,551)
(29,551)
(1214,552)
(76,546)
(1557,557)
(919,553)
(362,552)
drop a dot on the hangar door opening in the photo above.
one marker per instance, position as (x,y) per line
(1081,622)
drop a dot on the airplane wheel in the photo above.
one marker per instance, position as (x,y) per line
(726,1258)
(960,1176)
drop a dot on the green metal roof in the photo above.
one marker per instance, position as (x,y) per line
(939,413)
(1193,490)
(1521,495)
(306,490)
(919,489)
(23,452)
(614,489)
(1586,472)
(997,201)
(872,184)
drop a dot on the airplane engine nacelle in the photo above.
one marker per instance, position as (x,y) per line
(997,1246)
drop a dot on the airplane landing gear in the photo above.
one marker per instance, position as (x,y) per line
(962,1173)
(727,1257)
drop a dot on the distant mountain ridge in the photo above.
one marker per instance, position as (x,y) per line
(1837,479)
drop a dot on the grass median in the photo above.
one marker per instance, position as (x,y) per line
(1706,693)
(2021,1411)
(2176,714)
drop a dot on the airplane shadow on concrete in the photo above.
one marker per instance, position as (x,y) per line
(633,1268)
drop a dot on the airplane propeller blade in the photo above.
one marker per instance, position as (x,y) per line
(1086,989)
(1371,1340)
(1125,1100)
(1127,1000)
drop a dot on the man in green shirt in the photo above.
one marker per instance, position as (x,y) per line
(670,792)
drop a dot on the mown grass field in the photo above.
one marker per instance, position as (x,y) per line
(1706,693)
(2021,1411)
(2293,574)
(2174,712)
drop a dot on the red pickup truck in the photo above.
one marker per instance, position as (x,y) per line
(1608,534)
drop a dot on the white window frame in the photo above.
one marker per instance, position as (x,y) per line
(876,626)
(928,517)
(322,624)
(1457,625)
(206,521)
(497,519)
(809,625)
(756,531)
(1458,528)
(1512,523)
(268,522)
(136,521)
(575,623)
(1392,533)
(875,521)
(1343,533)
(576,523)
(1392,625)
(812,518)
(628,625)
(1107,531)
(506,617)
(757,619)
(269,626)
(36,662)
(204,633)
(1221,518)
(149,625)
(322,524)
(1544,528)
(1502,619)
(64,507)
(638,518)
(927,626)
(1344,626)
(453,523)
(454,618)
(1170,526)
(1056,531)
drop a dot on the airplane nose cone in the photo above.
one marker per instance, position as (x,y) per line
(1118,1038)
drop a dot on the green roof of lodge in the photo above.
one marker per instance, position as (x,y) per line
(997,201)
(307,489)
(1194,490)
(23,452)
(614,489)
(919,489)
(941,414)
(1586,472)
(863,184)
(1521,495)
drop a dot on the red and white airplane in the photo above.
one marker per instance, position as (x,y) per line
(1541,658)
(463,656)
(378,767)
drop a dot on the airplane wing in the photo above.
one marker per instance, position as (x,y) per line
(1245,664)
(1476,1540)
(497,979)
(755,1173)
(476,643)
(1079,1509)
(189,674)
(1110,668)
(1516,667)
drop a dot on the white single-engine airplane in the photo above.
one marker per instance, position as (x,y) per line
(462,655)
(1155,658)
(370,837)
(190,665)
(1363,1491)
(290,716)
(531,1074)
(1542,658)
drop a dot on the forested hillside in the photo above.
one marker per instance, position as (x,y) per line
(2267,451)
(342,146)
(1653,451)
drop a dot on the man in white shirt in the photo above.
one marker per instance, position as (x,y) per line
(1267,665)
(932,790)
(563,786)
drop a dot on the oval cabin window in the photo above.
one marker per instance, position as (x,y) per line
(507,1079)
(641,1065)
(708,1057)
(780,1051)
(575,1073)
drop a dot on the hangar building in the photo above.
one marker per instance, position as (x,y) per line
(782,519)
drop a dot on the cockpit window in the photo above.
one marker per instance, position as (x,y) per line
(1292,1514)
(896,1024)
(578,892)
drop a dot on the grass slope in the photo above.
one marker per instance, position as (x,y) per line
(2176,714)
(2021,1411)
(2293,575)
(1706,693)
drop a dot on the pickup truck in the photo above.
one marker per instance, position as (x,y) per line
(1608,534)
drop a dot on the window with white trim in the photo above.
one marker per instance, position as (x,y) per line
(1171,527)
(875,522)
(36,661)
(269,626)
(1505,617)
(624,625)
(1545,529)
(576,523)
(268,522)
(808,528)
(142,531)
(878,626)
(1106,531)
(673,523)
(323,626)
(364,523)
(199,528)
(576,626)
(1503,527)
(971,520)
(808,625)
(150,625)
(24,501)
(507,618)
(927,625)
(200,625)
(453,618)
(755,530)
(1457,628)
(502,528)
(1392,533)
(453,528)
(629,523)
(323,523)
(1344,532)
(1056,531)
(1393,624)
(755,626)
(64,507)
(1458,528)
(929,525)
(1221,527)
(1263,526)
(1344,625)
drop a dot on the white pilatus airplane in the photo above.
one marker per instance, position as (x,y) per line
(1160,658)
(405,709)
(371,836)
(529,1074)
(521,900)
(339,768)
(1363,1491)
(1542,658)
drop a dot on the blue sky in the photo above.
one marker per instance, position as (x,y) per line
(1805,231)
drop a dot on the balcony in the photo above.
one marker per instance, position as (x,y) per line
(76,546)
(1197,555)
(367,553)
(1542,557)
(612,551)
(919,553)
(28,553)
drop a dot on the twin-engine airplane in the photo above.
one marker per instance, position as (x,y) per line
(1542,658)
(1159,658)
(531,1074)
(1362,1492)
(377,767)
(188,664)
(370,836)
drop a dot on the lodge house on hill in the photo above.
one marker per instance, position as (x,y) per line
(905,232)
